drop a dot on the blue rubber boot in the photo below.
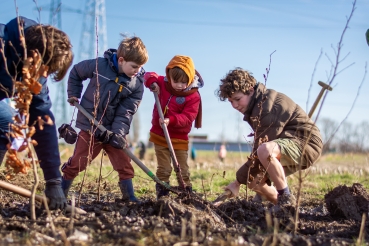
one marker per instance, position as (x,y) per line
(66,184)
(126,187)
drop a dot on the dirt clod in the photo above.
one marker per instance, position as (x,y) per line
(348,202)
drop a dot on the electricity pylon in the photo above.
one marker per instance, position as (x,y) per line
(60,103)
(93,36)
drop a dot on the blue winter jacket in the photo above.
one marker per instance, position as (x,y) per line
(47,149)
(10,34)
(119,95)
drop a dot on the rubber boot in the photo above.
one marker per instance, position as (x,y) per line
(2,155)
(66,184)
(189,189)
(161,190)
(126,187)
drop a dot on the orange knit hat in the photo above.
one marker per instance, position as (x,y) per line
(185,63)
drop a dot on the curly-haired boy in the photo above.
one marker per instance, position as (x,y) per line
(285,138)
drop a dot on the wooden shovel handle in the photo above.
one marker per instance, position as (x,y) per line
(26,193)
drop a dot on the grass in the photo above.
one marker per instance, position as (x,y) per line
(209,176)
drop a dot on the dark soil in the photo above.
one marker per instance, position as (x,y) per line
(184,220)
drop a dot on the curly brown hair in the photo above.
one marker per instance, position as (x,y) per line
(54,46)
(237,80)
(133,49)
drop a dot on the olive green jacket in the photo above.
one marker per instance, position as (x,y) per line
(273,115)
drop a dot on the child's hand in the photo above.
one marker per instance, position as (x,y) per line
(233,187)
(71,100)
(150,77)
(155,88)
(165,121)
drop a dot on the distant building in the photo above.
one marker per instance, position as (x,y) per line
(200,142)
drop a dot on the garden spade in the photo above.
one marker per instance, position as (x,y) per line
(220,199)
(227,193)
(170,146)
(127,151)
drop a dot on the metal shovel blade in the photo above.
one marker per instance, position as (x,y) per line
(220,199)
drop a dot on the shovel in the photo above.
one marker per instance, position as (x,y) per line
(170,146)
(220,199)
(127,151)
(26,193)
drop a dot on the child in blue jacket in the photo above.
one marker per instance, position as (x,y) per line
(58,57)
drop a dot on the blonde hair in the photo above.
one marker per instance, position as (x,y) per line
(237,80)
(133,49)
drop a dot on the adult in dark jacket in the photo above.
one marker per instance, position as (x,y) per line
(58,57)
(285,138)
(113,94)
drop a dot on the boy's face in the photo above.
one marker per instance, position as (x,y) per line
(128,68)
(178,85)
(240,101)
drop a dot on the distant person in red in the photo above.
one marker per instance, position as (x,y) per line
(222,152)
(181,104)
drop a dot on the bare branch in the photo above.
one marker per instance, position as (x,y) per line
(335,66)
(352,106)
(345,68)
(312,79)
(268,69)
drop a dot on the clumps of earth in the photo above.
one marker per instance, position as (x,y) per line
(348,202)
(187,220)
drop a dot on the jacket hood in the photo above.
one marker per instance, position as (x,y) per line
(11,34)
(185,63)
(111,54)
(108,54)
(197,82)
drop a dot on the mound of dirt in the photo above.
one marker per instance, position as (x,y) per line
(189,208)
(348,202)
(180,219)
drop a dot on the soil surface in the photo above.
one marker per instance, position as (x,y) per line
(185,220)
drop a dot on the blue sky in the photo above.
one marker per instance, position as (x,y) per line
(223,34)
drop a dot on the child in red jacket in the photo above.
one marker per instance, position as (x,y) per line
(181,104)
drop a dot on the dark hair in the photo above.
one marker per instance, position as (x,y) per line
(237,80)
(53,45)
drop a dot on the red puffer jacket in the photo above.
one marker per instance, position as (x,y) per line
(181,111)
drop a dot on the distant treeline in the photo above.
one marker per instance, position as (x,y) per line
(348,138)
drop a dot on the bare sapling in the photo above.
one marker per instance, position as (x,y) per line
(334,71)
(93,128)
